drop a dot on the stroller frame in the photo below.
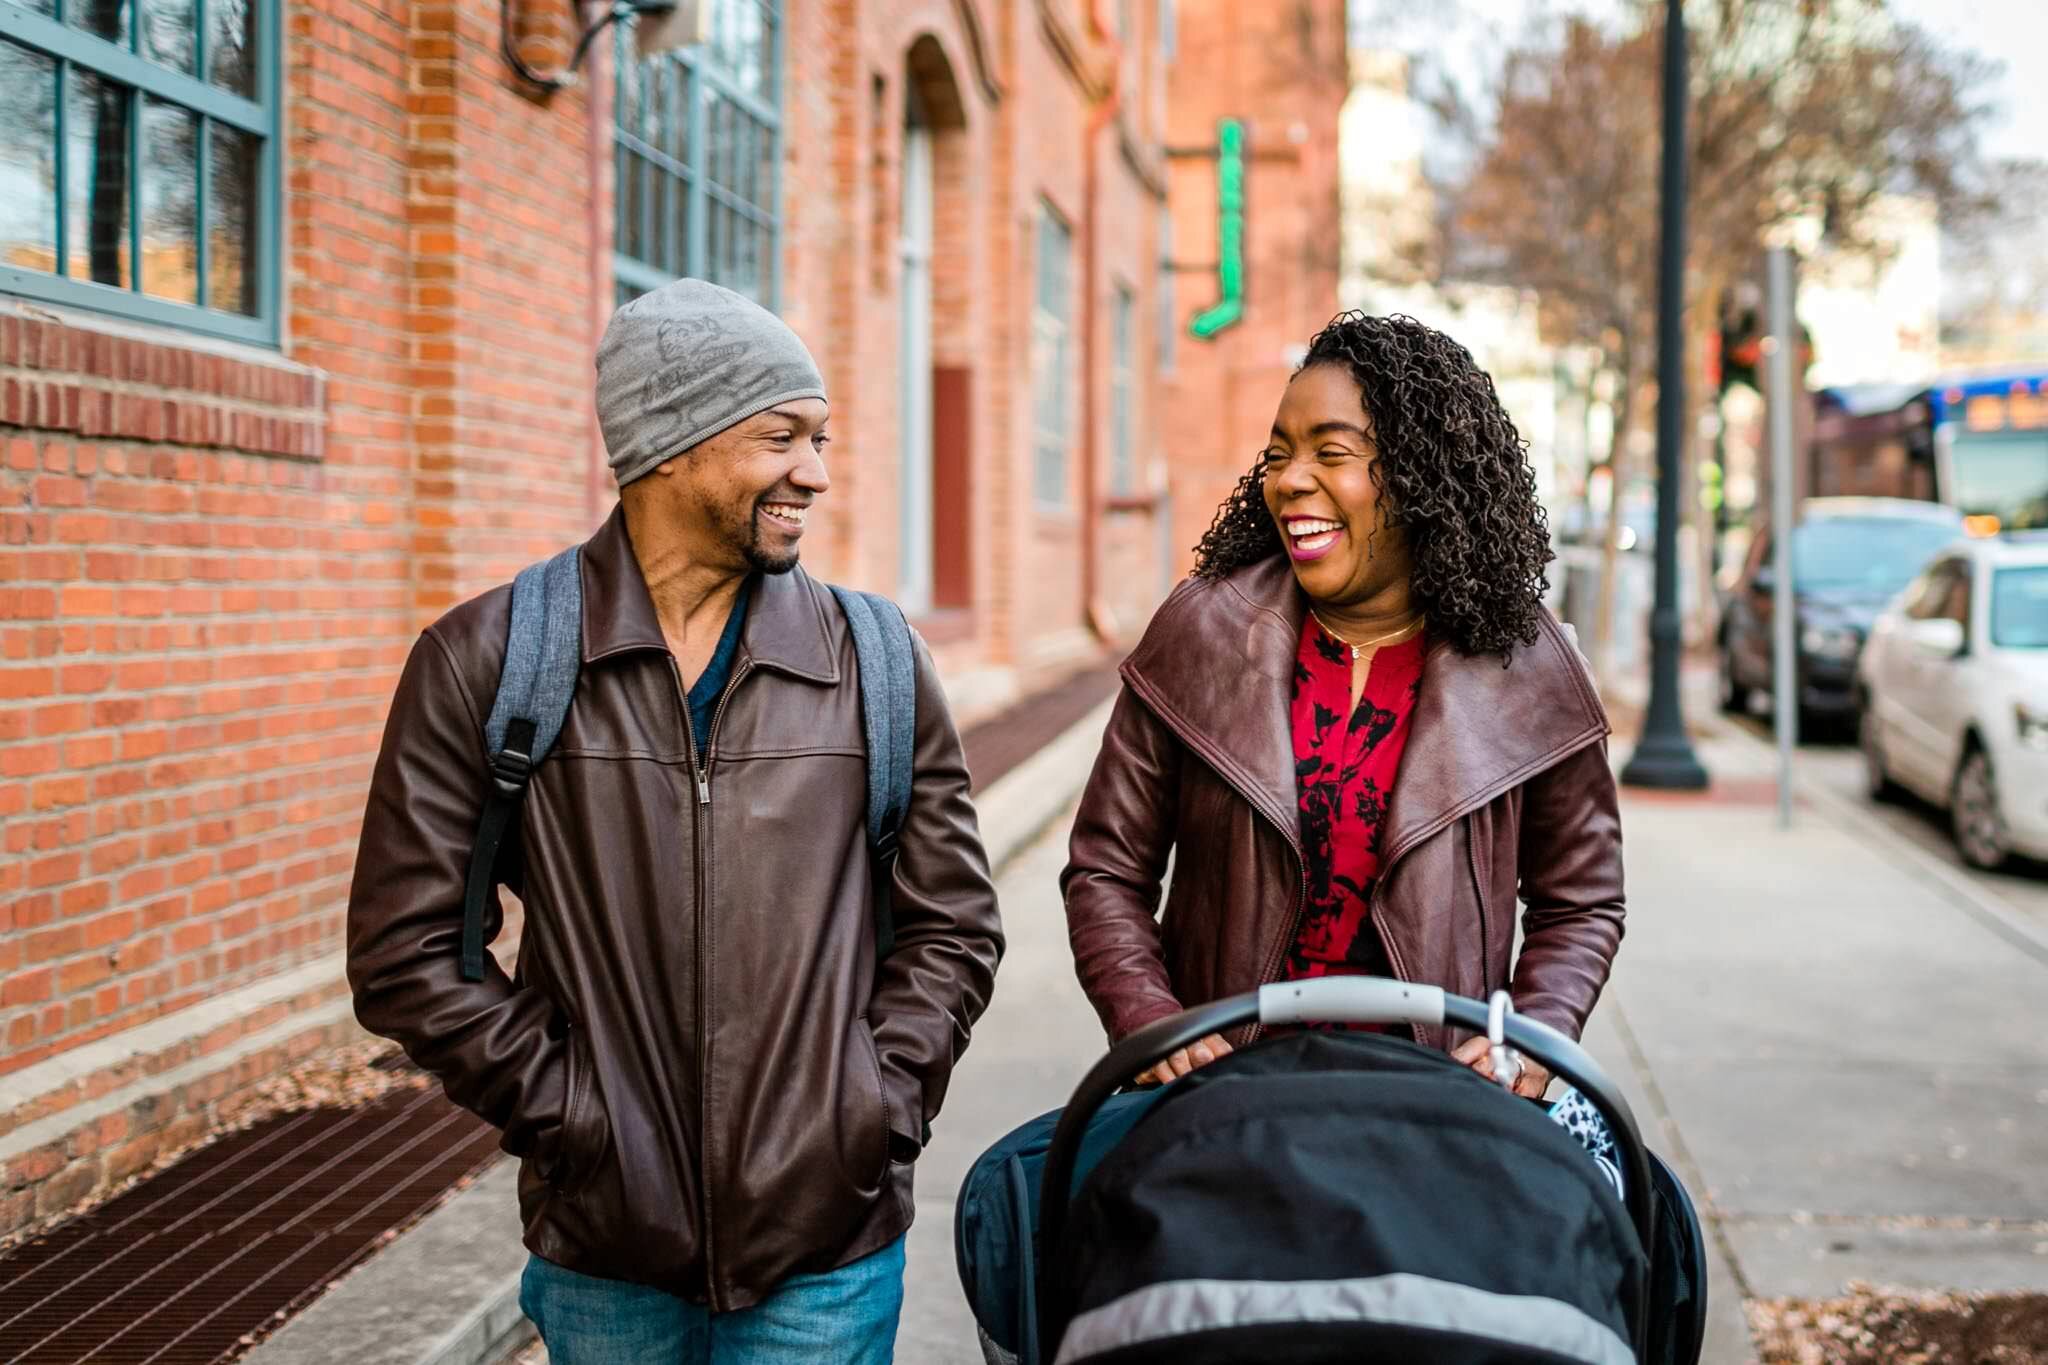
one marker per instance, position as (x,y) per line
(1340,999)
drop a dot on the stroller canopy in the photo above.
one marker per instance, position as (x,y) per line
(1351,1198)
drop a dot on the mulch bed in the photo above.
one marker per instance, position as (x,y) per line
(1872,1327)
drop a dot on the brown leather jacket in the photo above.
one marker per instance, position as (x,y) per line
(1504,789)
(707,1077)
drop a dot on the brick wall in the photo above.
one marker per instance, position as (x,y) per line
(214,558)
(181,676)
(1281,68)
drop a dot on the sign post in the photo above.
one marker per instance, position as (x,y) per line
(1785,608)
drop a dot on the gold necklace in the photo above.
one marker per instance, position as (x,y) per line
(1358,649)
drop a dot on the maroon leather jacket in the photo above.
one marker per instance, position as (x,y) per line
(711,1083)
(1504,792)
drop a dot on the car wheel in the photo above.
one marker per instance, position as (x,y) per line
(1734,696)
(1877,775)
(1975,815)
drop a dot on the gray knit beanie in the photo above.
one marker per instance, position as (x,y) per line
(686,361)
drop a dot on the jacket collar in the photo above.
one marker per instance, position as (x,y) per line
(1218,662)
(786,629)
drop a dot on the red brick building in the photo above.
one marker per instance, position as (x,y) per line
(297,306)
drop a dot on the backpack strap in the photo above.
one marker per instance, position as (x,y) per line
(543,651)
(888,706)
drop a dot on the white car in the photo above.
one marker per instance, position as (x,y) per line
(1953,693)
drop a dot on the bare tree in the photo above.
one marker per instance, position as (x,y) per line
(1799,109)
(1995,296)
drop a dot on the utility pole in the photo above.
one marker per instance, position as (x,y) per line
(1663,756)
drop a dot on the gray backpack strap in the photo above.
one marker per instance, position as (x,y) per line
(543,651)
(888,706)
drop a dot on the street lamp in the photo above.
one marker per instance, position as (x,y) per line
(1663,756)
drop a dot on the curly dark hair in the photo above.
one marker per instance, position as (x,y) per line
(1453,473)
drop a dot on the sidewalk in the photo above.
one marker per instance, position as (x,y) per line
(1843,1054)
(1844,1061)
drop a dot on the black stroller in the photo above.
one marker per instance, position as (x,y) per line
(1329,1197)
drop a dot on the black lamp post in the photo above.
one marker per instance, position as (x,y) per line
(1663,756)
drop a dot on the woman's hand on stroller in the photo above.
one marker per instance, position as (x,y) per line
(1478,1054)
(1194,1055)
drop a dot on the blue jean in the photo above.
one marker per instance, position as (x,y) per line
(846,1316)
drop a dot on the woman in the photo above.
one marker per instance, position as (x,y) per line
(1382,561)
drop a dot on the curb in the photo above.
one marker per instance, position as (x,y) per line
(493,1330)
(1965,894)
(1024,803)
(1865,827)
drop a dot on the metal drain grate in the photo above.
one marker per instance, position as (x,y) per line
(189,1266)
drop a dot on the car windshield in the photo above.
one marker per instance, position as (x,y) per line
(2019,608)
(1879,555)
(2003,474)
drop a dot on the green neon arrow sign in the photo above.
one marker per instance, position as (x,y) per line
(1229,306)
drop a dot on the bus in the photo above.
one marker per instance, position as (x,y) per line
(1977,442)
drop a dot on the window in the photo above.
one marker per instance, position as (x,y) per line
(698,150)
(1873,555)
(1941,593)
(2019,608)
(138,159)
(1051,323)
(1169,32)
(1123,458)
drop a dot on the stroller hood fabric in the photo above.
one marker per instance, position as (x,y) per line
(1346,1197)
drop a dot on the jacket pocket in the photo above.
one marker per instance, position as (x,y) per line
(879,1127)
(585,1133)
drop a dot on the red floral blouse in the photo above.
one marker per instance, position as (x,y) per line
(1344,771)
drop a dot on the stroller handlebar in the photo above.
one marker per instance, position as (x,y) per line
(1351,1000)
(1342,999)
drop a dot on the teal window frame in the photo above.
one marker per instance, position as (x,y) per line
(693,81)
(123,63)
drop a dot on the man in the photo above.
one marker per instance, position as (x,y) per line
(715,1087)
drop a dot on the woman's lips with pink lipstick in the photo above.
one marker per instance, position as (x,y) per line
(1311,537)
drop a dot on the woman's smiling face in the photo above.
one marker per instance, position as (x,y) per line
(1320,491)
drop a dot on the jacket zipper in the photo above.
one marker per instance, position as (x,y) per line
(700,773)
(1375,903)
(1479,895)
(1270,969)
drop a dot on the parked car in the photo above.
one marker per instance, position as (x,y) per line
(1953,691)
(1850,556)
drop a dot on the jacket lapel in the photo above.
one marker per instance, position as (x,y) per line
(1480,729)
(1217,667)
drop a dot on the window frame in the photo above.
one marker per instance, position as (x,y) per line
(122,63)
(704,79)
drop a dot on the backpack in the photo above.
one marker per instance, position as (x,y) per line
(543,651)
